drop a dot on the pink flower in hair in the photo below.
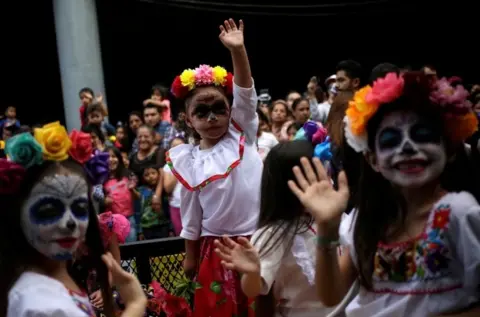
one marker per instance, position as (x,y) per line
(454,98)
(203,75)
(386,89)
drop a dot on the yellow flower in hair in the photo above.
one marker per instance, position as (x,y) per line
(53,138)
(219,75)
(188,78)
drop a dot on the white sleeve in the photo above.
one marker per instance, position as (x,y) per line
(464,235)
(191,214)
(271,261)
(244,111)
(167,169)
(43,303)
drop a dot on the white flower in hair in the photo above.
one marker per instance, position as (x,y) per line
(358,143)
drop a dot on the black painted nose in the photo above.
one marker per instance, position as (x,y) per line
(71,225)
(408,148)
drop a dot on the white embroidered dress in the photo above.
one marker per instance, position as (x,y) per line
(436,273)
(221,185)
(291,273)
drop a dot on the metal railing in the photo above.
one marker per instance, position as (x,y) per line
(155,260)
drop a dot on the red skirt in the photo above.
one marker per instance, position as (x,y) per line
(219,293)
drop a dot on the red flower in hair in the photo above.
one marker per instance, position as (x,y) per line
(11,176)
(229,84)
(81,150)
(177,89)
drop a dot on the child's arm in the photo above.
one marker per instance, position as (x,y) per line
(114,248)
(157,197)
(191,213)
(244,94)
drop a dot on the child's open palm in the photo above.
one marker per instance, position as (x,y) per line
(231,35)
(316,192)
(241,257)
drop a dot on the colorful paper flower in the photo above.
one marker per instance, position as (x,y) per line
(187,77)
(461,127)
(97,168)
(24,150)
(219,75)
(360,111)
(81,150)
(454,99)
(385,90)
(11,176)
(203,75)
(54,140)
(320,135)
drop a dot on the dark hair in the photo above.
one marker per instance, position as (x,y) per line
(151,106)
(95,129)
(381,70)
(87,90)
(17,257)
(297,126)
(351,68)
(297,102)
(95,106)
(152,131)
(121,171)
(281,213)
(262,116)
(319,94)
(379,204)
(161,89)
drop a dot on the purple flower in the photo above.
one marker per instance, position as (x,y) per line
(436,260)
(97,168)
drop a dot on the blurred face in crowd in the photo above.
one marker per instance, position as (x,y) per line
(344,82)
(292,97)
(120,133)
(311,87)
(95,117)
(134,123)
(11,113)
(150,176)
(208,112)
(279,113)
(145,137)
(151,116)
(112,161)
(86,98)
(302,111)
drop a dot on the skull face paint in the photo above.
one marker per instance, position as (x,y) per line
(55,216)
(409,151)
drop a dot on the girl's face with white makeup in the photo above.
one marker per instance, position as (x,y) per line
(409,151)
(54,217)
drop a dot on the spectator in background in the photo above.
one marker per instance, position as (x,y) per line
(265,139)
(159,99)
(381,70)
(153,118)
(96,116)
(291,97)
(349,75)
(86,97)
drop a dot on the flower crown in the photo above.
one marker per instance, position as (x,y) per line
(49,143)
(460,120)
(203,75)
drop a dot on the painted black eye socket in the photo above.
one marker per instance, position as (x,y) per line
(47,210)
(423,133)
(202,110)
(80,208)
(389,138)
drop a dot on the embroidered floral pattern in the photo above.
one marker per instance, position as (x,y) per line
(424,258)
(202,185)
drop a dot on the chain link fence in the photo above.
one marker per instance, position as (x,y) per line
(155,260)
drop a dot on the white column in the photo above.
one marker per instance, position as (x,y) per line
(79,53)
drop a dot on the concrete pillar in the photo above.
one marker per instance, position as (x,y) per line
(79,53)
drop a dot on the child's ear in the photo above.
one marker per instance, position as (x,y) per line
(188,122)
(372,160)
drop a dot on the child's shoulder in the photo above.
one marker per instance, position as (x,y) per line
(459,203)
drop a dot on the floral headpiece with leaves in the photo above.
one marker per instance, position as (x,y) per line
(49,143)
(460,120)
(203,75)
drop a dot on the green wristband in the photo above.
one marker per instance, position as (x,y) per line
(326,242)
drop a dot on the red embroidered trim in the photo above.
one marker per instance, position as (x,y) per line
(417,292)
(213,177)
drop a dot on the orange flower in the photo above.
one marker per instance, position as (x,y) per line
(460,127)
(359,111)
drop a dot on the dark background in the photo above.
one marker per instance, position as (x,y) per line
(149,41)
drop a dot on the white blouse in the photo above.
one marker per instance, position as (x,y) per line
(436,273)
(291,272)
(37,295)
(221,185)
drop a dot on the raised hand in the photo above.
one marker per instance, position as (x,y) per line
(231,35)
(316,193)
(241,257)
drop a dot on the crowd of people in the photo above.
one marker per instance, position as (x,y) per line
(354,198)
